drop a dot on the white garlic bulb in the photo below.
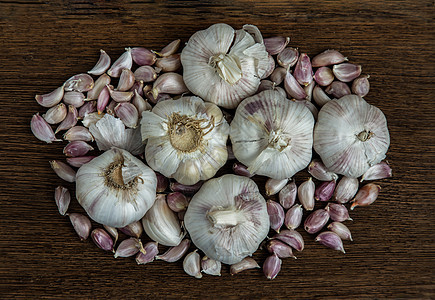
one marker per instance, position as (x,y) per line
(223,65)
(186,139)
(116,188)
(351,135)
(111,132)
(272,135)
(227,218)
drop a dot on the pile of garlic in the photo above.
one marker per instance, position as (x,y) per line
(174,120)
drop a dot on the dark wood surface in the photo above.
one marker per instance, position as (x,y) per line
(45,42)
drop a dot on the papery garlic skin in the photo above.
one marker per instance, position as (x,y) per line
(227,218)
(351,135)
(116,188)
(186,139)
(223,65)
(272,135)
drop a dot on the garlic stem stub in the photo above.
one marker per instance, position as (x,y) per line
(351,136)
(227,218)
(186,139)
(116,188)
(223,65)
(272,135)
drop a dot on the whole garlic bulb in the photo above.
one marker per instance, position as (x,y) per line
(227,218)
(116,188)
(351,135)
(272,135)
(186,139)
(223,65)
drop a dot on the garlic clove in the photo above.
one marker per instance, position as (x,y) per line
(379,171)
(338,89)
(287,195)
(361,85)
(272,266)
(280,249)
(324,76)
(56,114)
(288,57)
(318,170)
(87,108)
(293,88)
(276,215)
(138,87)
(102,64)
(113,232)
(338,212)
(102,239)
(126,80)
(62,198)
(119,96)
(103,99)
(292,238)
(162,182)
(316,221)
(274,186)
(293,217)
(278,75)
(331,240)
(143,56)
(169,63)
(140,103)
(346,72)
(303,71)
(187,189)
(176,252)
(319,96)
(169,83)
(92,118)
(170,48)
(324,191)
(128,114)
(306,194)
(79,161)
(77,148)
(63,170)
(341,230)
(70,119)
(309,90)
(134,229)
(151,250)
(129,247)
(41,130)
(366,195)
(241,169)
(75,99)
(79,83)
(145,74)
(52,98)
(328,57)
(82,225)
(245,264)
(210,266)
(274,45)
(125,61)
(78,133)
(192,264)
(346,189)
(177,201)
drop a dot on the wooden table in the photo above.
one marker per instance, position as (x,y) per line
(45,42)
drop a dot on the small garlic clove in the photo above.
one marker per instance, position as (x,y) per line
(102,239)
(276,215)
(56,114)
(288,57)
(62,198)
(341,230)
(366,195)
(346,189)
(78,133)
(151,250)
(303,71)
(306,194)
(318,170)
(177,201)
(324,76)
(346,72)
(279,248)
(187,189)
(181,215)
(138,87)
(169,83)
(125,61)
(320,97)
(293,88)
(145,74)
(379,171)
(140,103)
(76,99)
(134,229)
(293,217)
(70,119)
(338,212)
(79,161)
(274,186)
(338,89)
(162,182)
(126,80)
(128,114)
(170,48)
(77,148)
(87,108)
(331,240)
(113,232)
(287,195)
(245,264)
(275,45)
(92,118)
(103,99)
(42,130)
(270,67)
(229,147)
(169,63)
(241,169)
(143,56)
(119,96)
(79,83)
(272,266)
(192,264)
(82,225)
(316,221)
(265,85)
(210,266)
(361,85)
(292,238)
(63,170)
(328,57)
(278,75)
(324,191)
(129,247)
(309,90)
(52,98)
(176,252)
(102,64)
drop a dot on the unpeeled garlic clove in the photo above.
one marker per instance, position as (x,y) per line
(41,130)
(140,103)
(177,201)
(102,239)
(293,217)
(379,171)
(309,90)
(52,98)
(292,238)
(288,57)
(276,44)
(79,161)
(145,74)
(192,264)
(279,248)
(126,80)
(62,198)
(70,119)
(338,89)
(273,186)
(303,71)
(287,195)
(241,169)
(324,76)
(113,232)
(162,182)
(276,215)
(272,266)
(346,72)
(63,170)
(125,61)
(119,96)
(341,230)
(316,221)
(169,63)
(78,133)
(170,48)
(73,98)
(151,250)
(187,189)
(306,194)
(361,85)
(320,172)
(366,195)
(331,240)
(210,266)
(129,247)
(319,96)
(245,264)
(82,225)
(293,88)
(102,64)
(346,189)
(265,85)
(278,75)
(77,148)
(79,83)
(338,212)
(138,86)
(143,56)
(328,57)
(56,114)
(87,108)
(324,191)
(176,252)
(169,83)
(103,99)
(128,114)
(134,229)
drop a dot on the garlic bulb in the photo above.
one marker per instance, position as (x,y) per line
(351,135)
(111,132)
(272,135)
(186,139)
(116,188)
(223,65)
(227,218)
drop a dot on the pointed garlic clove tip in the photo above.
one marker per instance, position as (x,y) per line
(177,201)
(293,217)
(77,148)
(293,88)
(341,230)
(102,64)
(320,96)
(210,266)
(171,48)
(279,248)
(306,194)
(128,114)
(125,61)
(324,191)
(324,76)
(82,225)
(338,212)
(366,195)
(143,56)
(303,71)
(273,186)
(327,58)
(272,266)
(52,98)
(79,83)
(292,238)
(175,253)
(87,108)
(245,264)
(42,130)
(338,89)
(361,86)
(276,215)
(63,170)
(241,169)
(274,45)
(145,74)
(287,195)
(62,197)
(126,80)
(288,57)
(316,221)
(192,264)
(129,247)
(102,239)
(134,229)
(379,171)
(151,250)
(331,240)
(70,119)
(140,103)
(346,72)
(56,114)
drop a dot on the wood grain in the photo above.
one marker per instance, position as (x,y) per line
(45,42)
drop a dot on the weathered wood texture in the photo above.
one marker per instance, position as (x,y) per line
(45,42)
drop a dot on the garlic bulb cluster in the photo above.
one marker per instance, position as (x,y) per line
(351,135)
(186,139)
(116,188)
(227,218)
(272,135)
(223,65)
